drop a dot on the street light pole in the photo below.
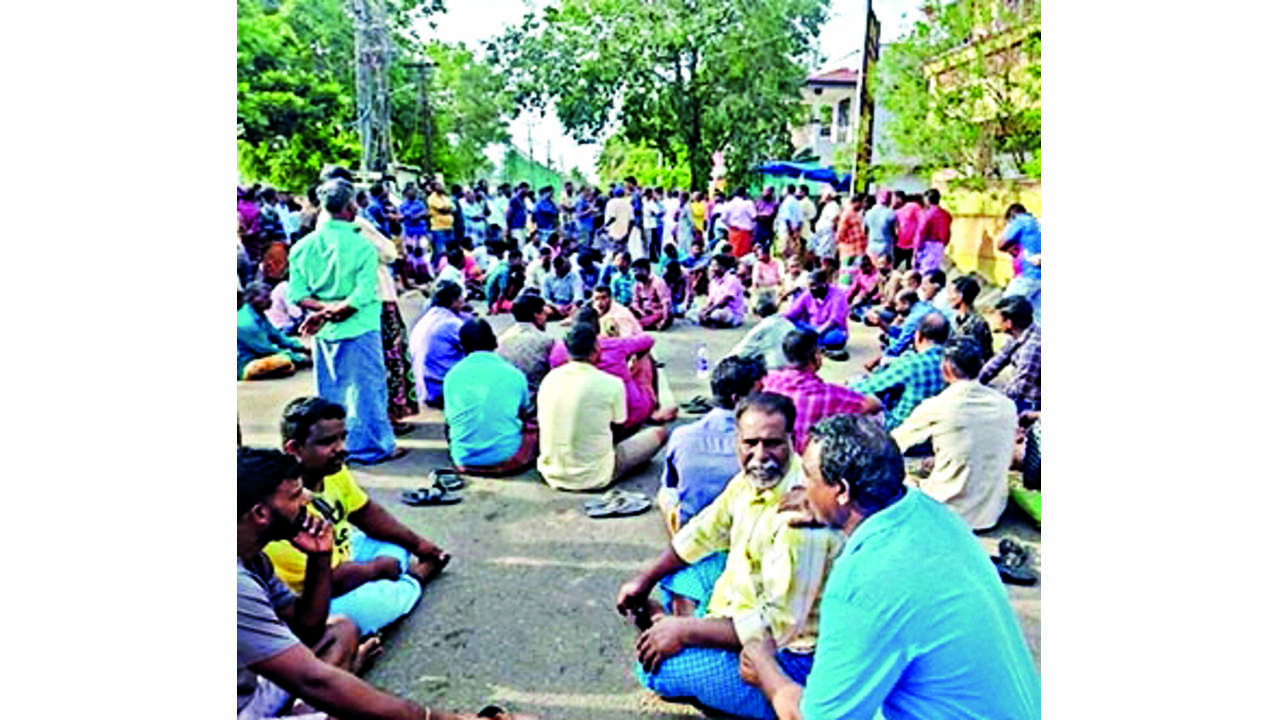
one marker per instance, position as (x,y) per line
(423,68)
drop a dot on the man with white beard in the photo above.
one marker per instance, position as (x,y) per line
(735,572)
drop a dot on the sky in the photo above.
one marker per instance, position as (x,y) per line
(472,23)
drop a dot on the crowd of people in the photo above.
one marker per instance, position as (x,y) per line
(822,562)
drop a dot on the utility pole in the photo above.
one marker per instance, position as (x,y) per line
(372,100)
(865,103)
(424,68)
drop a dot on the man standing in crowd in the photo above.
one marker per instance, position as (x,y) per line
(517,216)
(1023,350)
(933,233)
(790,224)
(880,229)
(911,378)
(333,274)
(1023,240)
(379,565)
(765,220)
(441,220)
(739,215)
(487,409)
(618,219)
(578,407)
(908,216)
(914,622)
(766,586)
(972,432)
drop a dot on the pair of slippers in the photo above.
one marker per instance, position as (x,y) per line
(1014,563)
(442,489)
(698,405)
(840,355)
(617,503)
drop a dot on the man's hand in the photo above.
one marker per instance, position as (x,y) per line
(795,502)
(662,640)
(312,324)
(873,363)
(754,654)
(385,568)
(315,537)
(632,597)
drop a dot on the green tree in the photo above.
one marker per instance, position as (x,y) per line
(681,76)
(619,158)
(963,89)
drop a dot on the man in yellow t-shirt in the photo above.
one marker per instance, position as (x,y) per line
(379,565)
(440,207)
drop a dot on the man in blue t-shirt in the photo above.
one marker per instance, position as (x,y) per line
(914,622)
(1023,240)
(487,409)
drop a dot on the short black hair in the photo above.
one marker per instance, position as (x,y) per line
(601,288)
(457,258)
(770,403)
(934,327)
(476,335)
(301,414)
(908,297)
(526,307)
(259,473)
(819,277)
(800,346)
(580,341)
(766,307)
(968,288)
(860,453)
(377,190)
(937,277)
(735,377)
(446,293)
(964,355)
(1013,210)
(589,315)
(725,261)
(337,171)
(641,263)
(1016,309)
(933,196)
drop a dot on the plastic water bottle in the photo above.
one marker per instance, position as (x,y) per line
(703,363)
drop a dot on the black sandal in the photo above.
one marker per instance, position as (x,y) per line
(434,495)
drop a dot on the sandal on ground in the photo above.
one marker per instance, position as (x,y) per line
(395,454)
(429,496)
(839,355)
(445,478)
(401,429)
(620,506)
(698,405)
(611,496)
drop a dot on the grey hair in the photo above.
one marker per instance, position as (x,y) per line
(862,454)
(257,288)
(336,194)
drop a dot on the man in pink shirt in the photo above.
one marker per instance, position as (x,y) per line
(908,216)
(813,397)
(739,216)
(822,308)
(933,233)
(651,298)
(725,306)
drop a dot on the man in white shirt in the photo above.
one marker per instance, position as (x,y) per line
(578,406)
(619,217)
(972,429)
(790,223)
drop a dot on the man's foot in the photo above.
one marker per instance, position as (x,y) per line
(366,653)
(664,415)
(425,571)
(394,455)
(401,428)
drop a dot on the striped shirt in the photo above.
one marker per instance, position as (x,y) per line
(774,573)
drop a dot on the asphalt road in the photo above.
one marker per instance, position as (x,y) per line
(523,615)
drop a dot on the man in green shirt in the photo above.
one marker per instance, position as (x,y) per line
(333,274)
(262,351)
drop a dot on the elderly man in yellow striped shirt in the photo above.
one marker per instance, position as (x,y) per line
(768,582)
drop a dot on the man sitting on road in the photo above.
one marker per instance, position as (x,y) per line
(725,304)
(910,311)
(914,621)
(578,407)
(702,457)
(526,344)
(813,397)
(261,350)
(379,565)
(767,338)
(651,304)
(627,324)
(768,584)
(488,412)
(1023,350)
(561,289)
(434,343)
(912,378)
(972,433)
(822,308)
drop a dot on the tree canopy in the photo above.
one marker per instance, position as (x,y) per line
(963,89)
(295,92)
(682,77)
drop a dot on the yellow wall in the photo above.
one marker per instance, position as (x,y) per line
(978,224)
